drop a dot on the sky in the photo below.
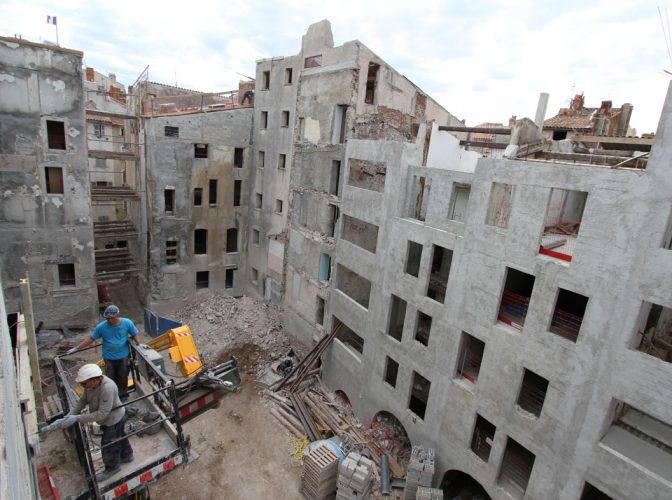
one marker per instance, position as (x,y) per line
(483,60)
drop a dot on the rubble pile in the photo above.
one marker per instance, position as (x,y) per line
(221,322)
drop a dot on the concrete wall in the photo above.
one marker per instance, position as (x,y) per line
(39,230)
(171,165)
(619,262)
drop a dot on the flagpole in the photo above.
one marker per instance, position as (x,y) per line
(57,34)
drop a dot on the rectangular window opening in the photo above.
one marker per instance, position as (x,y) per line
(516,469)
(470,358)
(419,198)
(288,76)
(99,130)
(360,233)
(232,240)
(284,119)
(261,159)
(238,157)
(254,275)
(66,275)
(171,252)
(353,285)
(282,161)
(422,328)
(340,124)
(264,120)
(198,197)
(333,218)
(202,279)
(481,441)
(313,61)
(563,220)
(391,371)
(568,314)
(515,298)
(371,78)
(655,334)
(237,188)
(348,337)
(255,236)
(230,277)
(278,206)
(200,241)
(319,311)
(413,256)
(395,327)
(266,80)
(459,202)
(419,395)
(200,150)
(335,177)
(169,201)
(169,131)
(532,393)
(499,207)
(442,259)
(212,192)
(325,268)
(53,180)
(258,200)
(55,134)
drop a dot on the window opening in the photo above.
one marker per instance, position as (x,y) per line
(471,356)
(559,135)
(237,187)
(335,177)
(325,267)
(238,157)
(66,275)
(171,252)
(395,327)
(262,159)
(282,161)
(169,131)
(284,119)
(202,279)
(656,332)
(422,328)
(169,201)
(568,314)
(198,197)
(339,124)
(200,150)
(391,371)
(360,233)
(53,179)
(348,337)
(419,198)
(319,311)
(515,298)
(258,200)
(458,207)
(372,75)
(516,468)
(212,192)
(419,395)
(200,241)
(255,275)
(532,392)
(442,259)
(367,175)
(333,217)
(288,76)
(278,206)
(562,223)
(255,236)
(353,285)
(264,119)
(266,80)
(230,277)
(55,134)
(231,240)
(313,61)
(413,256)
(499,208)
(481,441)
(98,130)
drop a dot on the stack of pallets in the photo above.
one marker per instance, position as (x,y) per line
(320,470)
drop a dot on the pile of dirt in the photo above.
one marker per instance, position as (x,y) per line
(223,325)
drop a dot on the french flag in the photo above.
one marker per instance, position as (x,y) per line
(51,19)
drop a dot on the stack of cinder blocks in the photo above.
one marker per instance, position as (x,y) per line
(320,470)
(429,494)
(355,475)
(420,471)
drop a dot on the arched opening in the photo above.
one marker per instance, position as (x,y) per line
(390,434)
(343,399)
(457,484)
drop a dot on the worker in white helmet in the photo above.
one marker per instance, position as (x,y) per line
(102,398)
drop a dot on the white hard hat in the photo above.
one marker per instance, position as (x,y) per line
(87,372)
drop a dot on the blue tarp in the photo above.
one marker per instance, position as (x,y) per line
(156,325)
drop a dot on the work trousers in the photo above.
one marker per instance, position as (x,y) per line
(117,370)
(114,453)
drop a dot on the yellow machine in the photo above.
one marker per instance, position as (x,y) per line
(182,349)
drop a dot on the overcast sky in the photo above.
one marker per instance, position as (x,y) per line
(482,60)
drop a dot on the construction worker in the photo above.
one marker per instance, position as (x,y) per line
(114,331)
(102,398)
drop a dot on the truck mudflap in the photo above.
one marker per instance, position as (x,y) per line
(141,478)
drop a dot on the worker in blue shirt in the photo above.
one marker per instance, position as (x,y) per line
(115,332)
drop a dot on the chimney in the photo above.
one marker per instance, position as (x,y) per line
(577,102)
(624,120)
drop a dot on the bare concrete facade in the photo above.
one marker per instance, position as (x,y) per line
(46,221)
(197,173)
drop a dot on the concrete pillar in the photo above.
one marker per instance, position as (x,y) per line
(541,110)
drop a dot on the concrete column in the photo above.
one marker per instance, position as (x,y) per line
(541,110)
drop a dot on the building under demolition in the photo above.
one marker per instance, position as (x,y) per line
(500,292)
